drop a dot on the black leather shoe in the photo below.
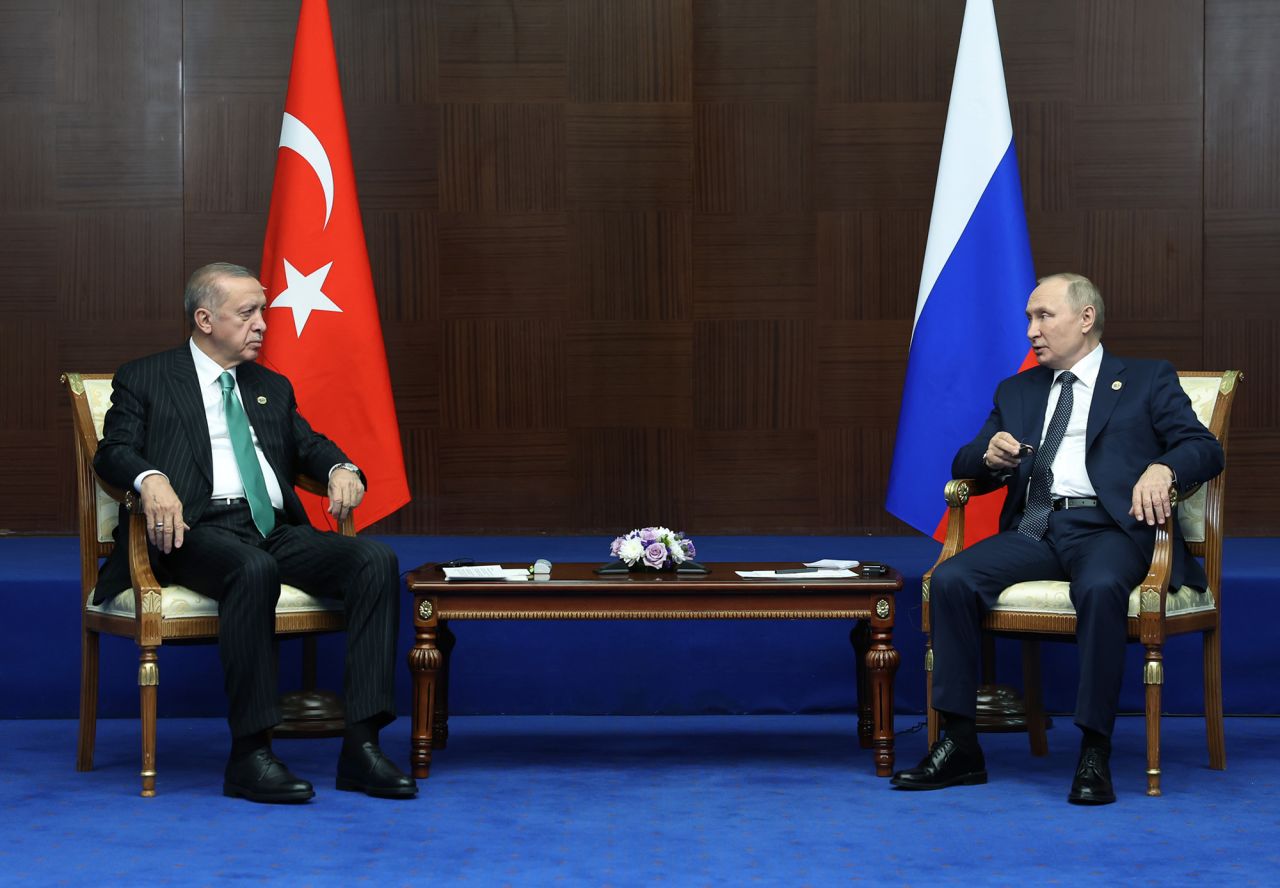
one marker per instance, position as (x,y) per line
(368,771)
(261,777)
(1092,785)
(947,764)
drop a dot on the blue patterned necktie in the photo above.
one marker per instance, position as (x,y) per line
(255,486)
(1035,516)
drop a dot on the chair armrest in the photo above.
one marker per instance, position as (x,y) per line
(146,590)
(128,497)
(1155,587)
(957,494)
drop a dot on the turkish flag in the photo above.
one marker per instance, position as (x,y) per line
(322,317)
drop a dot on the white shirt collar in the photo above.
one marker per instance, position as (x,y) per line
(207,369)
(1086,369)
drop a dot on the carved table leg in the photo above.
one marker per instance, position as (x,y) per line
(440,731)
(424,665)
(882,665)
(860,638)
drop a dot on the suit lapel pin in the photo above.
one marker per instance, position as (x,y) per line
(1115,387)
(262,399)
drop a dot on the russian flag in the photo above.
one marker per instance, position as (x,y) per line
(970,324)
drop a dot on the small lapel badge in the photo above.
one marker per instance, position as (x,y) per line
(262,399)
(1115,387)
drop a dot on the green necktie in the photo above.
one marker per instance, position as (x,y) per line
(255,488)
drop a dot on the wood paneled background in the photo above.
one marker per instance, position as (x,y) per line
(638,260)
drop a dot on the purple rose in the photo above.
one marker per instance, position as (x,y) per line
(689,550)
(613,549)
(655,555)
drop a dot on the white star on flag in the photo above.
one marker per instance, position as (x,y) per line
(302,293)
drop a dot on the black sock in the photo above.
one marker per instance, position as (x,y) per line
(1091,739)
(962,729)
(243,746)
(359,733)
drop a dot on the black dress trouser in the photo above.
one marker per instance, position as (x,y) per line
(1084,546)
(225,557)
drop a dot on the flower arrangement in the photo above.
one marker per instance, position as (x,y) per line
(653,547)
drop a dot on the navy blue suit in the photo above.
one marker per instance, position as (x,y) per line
(1139,415)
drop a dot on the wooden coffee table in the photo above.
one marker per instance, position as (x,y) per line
(575,592)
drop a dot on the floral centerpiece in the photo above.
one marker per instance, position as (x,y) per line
(655,548)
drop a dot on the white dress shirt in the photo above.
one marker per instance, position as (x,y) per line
(1070,477)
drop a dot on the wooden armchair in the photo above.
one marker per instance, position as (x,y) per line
(1042,610)
(153,615)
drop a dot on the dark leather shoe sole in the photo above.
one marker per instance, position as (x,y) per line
(1090,797)
(346,784)
(971,778)
(292,797)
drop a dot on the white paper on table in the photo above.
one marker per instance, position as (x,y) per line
(486,572)
(835,563)
(820,574)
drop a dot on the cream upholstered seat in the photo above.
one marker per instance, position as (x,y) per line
(1054,597)
(1042,609)
(149,613)
(179,601)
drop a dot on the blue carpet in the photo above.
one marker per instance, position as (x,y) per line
(710,800)
(615,668)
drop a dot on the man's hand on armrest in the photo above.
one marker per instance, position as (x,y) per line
(163,511)
(346,490)
(1151,495)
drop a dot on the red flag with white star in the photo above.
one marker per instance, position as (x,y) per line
(323,330)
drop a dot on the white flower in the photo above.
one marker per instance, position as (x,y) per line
(631,550)
(677,552)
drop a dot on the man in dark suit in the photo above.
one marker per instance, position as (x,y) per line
(1104,440)
(211,442)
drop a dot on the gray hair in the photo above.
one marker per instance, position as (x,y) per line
(204,289)
(1081,292)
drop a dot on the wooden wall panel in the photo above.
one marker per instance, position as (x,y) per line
(629,156)
(641,261)
(635,375)
(90,220)
(631,265)
(497,266)
(640,51)
(495,50)
(1242,242)
(505,157)
(634,477)
(754,375)
(738,477)
(755,266)
(754,50)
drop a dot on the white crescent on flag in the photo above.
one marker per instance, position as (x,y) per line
(297,136)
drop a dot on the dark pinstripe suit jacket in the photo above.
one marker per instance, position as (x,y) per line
(157,421)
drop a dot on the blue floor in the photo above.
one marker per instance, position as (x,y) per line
(682,800)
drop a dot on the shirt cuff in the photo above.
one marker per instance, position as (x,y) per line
(137,482)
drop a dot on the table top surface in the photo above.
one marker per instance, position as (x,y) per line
(722,578)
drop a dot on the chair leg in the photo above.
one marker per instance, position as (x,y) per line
(1031,694)
(88,731)
(148,683)
(1153,679)
(1213,699)
(931,714)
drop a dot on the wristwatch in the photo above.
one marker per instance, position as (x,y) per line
(350,467)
